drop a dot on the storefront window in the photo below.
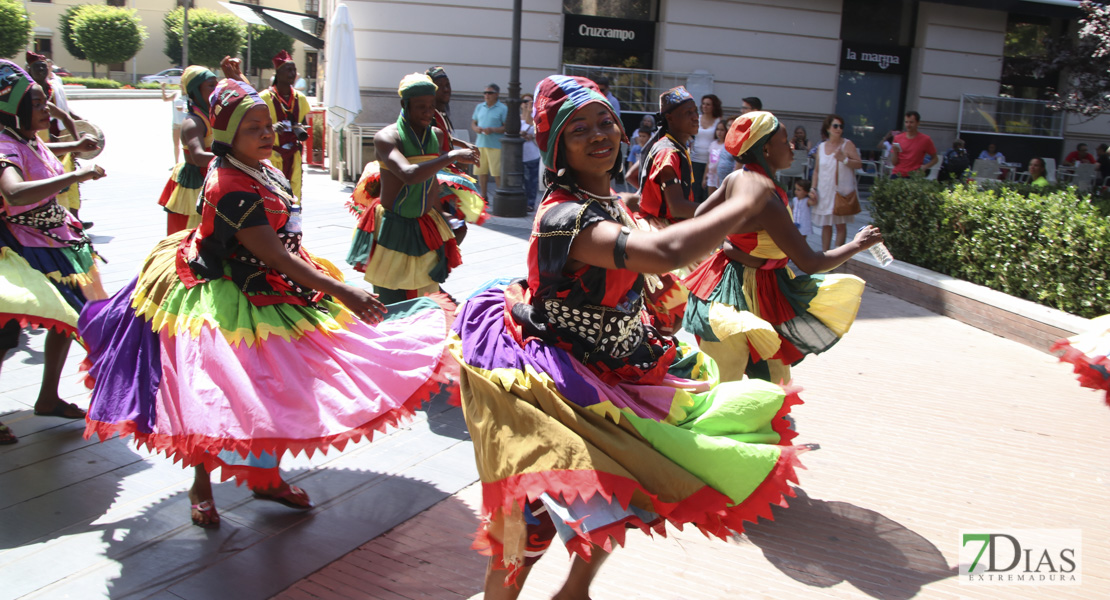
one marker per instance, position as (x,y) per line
(1024,48)
(641,10)
(870,104)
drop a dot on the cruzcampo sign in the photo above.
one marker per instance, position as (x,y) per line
(581,31)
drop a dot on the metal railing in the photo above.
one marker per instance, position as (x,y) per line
(638,89)
(1009,116)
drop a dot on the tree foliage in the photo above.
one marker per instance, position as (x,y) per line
(15,27)
(1084,61)
(65,29)
(108,34)
(266,42)
(212,36)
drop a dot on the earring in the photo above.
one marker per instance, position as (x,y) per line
(561,172)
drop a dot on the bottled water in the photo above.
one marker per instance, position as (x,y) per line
(880,253)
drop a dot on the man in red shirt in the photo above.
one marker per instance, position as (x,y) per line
(1079,155)
(910,147)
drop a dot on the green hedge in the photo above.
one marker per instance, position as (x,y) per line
(1045,245)
(95,84)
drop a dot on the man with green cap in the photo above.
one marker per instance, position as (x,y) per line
(403,240)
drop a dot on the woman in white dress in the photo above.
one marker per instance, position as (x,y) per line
(710,117)
(834,171)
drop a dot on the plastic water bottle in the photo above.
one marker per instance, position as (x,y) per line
(880,253)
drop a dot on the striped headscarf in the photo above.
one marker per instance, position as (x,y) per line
(751,131)
(231,100)
(191,79)
(558,97)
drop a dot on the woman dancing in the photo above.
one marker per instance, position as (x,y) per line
(748,309)
(47,268)
(234,344)
(586,420)
(179,197)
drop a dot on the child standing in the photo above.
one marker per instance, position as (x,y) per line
(715,148)
(801,204)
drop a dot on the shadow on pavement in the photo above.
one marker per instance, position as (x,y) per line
(822,543)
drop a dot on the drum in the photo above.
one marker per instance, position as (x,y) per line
(83,128)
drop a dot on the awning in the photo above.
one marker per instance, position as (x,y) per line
(302,27)
(1065,9)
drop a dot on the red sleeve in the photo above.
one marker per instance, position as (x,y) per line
(932,149)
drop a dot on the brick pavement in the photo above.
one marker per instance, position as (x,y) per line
(926,426)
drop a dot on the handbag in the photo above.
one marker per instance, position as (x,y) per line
(845,205)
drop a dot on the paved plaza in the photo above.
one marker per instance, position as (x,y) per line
(926,427)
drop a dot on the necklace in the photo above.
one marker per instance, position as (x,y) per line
(286,108)
(268,180)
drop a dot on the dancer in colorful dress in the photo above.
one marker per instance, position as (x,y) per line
(1089,353)
(586,421)
(180,195)
(748,309)
(234,344)
(460,190)
(666,172)
(47,268)
(39,70)
(403,241)
(289,111)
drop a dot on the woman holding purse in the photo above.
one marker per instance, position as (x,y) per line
(835,174)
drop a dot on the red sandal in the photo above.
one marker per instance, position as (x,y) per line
(208,509)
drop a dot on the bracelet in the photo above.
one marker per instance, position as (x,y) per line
(663,185)
(619,253)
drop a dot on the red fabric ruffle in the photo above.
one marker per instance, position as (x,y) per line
(707,509)
(1083,366)
(192,450)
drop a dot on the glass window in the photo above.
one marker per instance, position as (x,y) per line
(643,10)
(879,22)
(1023,49)
(870,104)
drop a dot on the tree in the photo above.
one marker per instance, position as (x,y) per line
(266,42)
(65,28)
(15,27)
(212,36)
(1084,62)
(108,34)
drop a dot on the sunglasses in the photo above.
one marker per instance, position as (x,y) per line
(836,126)
(489,93)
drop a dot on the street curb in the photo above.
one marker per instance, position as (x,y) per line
(98,94)
(992,311)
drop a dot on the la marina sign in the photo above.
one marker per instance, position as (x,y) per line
(875,59)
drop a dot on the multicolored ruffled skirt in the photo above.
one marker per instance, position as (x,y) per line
(459,190)
(1088,352)
(45,287)
(601,458)
(182,192)
(403,253)
(192,372)
(760,321)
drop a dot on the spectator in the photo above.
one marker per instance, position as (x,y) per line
(603,86)
(726,163)
(749,104)
(488,122)
(708,120)
(907,154)
(716,153)
(649,122)
(530,152)
(1104,160)
(992,153)
(834,173)
(956,161)
(643,134)
(178,118)
(1079,155)
(1037,175)
(887,142)
(801,206)
(800,141)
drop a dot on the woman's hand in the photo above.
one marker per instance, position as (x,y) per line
(362,304)
(868,236)
(87,143)
(90,171)
(233,68)
(839,155)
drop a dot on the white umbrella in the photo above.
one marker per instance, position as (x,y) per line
(341,90)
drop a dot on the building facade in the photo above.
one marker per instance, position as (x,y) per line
(150,59)
(867,60)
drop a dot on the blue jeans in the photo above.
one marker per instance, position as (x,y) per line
(531,182)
